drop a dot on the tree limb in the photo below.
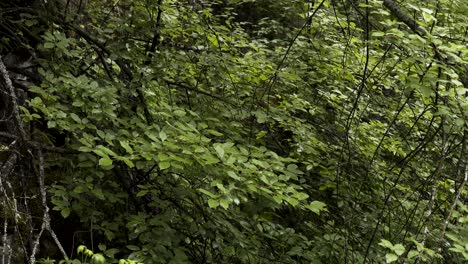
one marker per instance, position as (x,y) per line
(404,17)
(14,99)
(46,218)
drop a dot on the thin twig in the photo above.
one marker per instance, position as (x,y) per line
(6,247)
(454,203)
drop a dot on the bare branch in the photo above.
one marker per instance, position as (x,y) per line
(6,247)
(41,146)
(32,258)
(404,17)
(46,218)
(8,166)
(14,99)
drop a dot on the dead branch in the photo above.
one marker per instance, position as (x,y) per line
(13,98)
(404,17)
(46,218)
(36,144)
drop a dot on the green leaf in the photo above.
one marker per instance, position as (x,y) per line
(106,150)
(100,153)
(386,244)
(219,149)
(213,203)
(98,193)
(233,175)
(208,193)
(214,133)
(278,199)
(199,150)
(179,113)
(128,162)
(399,249)
(378,34)
(389,258)
(213,39)
(88,253)
(316,207)
(75,118)
(301,196)
(163,157)
(48,45)
(80,249)
(141,193)
(98,259)
(25,110)
(210,159)
(164,165)
(224,203)
(162,135)
(426,91)
(105,162)
(126,146)
(132,247)
(65,212)
(291,201)
(412,254)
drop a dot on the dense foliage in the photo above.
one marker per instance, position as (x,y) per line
(235,131)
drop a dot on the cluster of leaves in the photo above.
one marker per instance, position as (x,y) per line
(87,256)
(307,131)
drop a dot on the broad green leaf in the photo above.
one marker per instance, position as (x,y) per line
(291,201)
(164,165)
(98,193)
(301,196)
(105,162)
(128,162)
(65,212)
(278,199)
(208,193)
(199,150)
(98,259)
(316,207)
(209,159)
(233,175)
(213,203)
(132,247)
(162,135)
(386,244)
(163,157)
(141,193)
(100,153)
(75,118)
(224,203)
(389,258)
(412,254)
(80,249)
(219,149)
(179,113)
(126,146)
(399,249)
(106,150)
